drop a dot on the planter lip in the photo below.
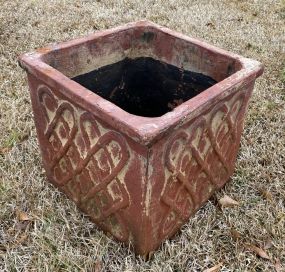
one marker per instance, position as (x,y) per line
(144,130)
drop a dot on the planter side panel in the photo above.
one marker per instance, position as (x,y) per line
(194,160)
(101,170)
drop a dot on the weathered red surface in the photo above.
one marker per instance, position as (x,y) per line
(138,178)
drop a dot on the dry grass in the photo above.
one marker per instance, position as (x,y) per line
(60,238)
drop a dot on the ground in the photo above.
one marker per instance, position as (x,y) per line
(56,236)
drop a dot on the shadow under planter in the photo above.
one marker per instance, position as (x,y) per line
(139,125)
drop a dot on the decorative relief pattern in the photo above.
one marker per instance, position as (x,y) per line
(86,160)
(198,160)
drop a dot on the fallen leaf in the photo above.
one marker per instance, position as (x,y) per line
(277,265)
(4,150)
(235,234)
(265,194)
(226,201)
(98,267)
(214,268)
(22,216)
(259,251)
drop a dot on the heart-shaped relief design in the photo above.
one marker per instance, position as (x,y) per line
(85,160)
(199,159)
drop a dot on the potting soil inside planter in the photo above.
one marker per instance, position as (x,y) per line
(145,86)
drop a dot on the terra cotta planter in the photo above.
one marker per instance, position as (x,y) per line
(139,125)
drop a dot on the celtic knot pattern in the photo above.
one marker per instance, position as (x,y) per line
(198,159)
(85,160)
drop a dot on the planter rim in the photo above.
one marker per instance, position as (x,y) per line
(144,130)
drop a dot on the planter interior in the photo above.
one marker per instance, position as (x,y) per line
(139,125)
(145,86)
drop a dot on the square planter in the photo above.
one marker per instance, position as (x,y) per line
(139,125)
